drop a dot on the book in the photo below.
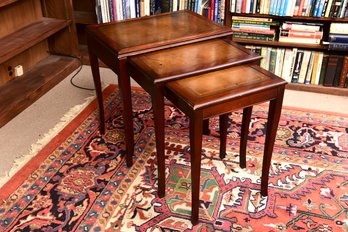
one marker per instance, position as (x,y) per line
(330,70)
(320,61)
(302,34)
(254,30)
(297,66)
(306,57)
(338,70)
(287,64)
(328,8)
(338,28)
(323,69)
(315,67)
(270,23)
(264,58)
(344,73)
(338,38)
(272,60)
(301,26)
(298,40)
(280,60)
(338,46)
(292,65)
(309,71)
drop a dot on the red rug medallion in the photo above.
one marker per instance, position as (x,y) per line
(79,181)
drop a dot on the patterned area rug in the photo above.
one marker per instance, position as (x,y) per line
(79,181)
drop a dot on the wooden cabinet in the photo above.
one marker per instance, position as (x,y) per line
(314,47)
(40,37)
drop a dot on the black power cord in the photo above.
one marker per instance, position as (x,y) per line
(77,72)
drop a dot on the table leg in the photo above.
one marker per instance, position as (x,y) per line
(274,112)
(125,90)
(206,130)
(157,97)
(93,59)
(196,125)
(244,135)
(223,124)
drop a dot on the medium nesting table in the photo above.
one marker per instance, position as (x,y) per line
(153,70)
(112,43)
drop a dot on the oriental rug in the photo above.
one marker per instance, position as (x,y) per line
(79,181)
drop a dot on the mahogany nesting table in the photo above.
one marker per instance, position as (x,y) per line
(218,92)
(113,42)
(152,70)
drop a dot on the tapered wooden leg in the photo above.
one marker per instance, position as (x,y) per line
(206,130)
(158,108)
(125,90)
(196,124)
(244,135)
(274,112)
(97,84)
(223,124)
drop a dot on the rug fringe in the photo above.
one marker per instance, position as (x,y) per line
(21,160)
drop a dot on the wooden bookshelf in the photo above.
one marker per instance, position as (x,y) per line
(40,36)
(318,47)
(19,93)
(19,41)
(315,47)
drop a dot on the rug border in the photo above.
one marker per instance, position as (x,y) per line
(23,173)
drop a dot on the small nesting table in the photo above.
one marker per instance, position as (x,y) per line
(152,70)
(113,42)
(218,92)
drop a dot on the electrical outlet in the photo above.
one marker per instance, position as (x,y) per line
(18,70)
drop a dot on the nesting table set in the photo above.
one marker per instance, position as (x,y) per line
(191,61)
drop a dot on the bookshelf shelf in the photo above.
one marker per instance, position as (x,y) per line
(297,18)
(318,89)
(24,38)
(31,33)
(19,93)
(7,2)
(282,44)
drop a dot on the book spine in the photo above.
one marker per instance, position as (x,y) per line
(303,71)
(338,70)
(309,71)
(323,69)
(293,58)
(300,27)
(338,46)
(320,61)
(330,70)
(272,60)
(338,38)
(344,73)
(301,34)
(297,66)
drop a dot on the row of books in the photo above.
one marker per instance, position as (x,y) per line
(338,37)
(113,10)
(301,32)
(254,28)
(267,29)
(304,66)
(313,8)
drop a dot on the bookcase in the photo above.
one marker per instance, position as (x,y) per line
(325,21)
(38,49)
